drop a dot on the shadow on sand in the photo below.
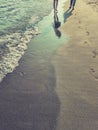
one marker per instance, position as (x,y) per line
(28,100)
(28,97)
(67,14)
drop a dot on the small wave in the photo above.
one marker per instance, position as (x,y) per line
(12,48)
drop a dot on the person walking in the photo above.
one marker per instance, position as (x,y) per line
(72,4)
(55,4)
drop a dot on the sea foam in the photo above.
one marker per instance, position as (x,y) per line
(12,48)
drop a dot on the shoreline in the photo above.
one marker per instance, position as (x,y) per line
(55,91)
(76,70)
(27,96)
(15,36)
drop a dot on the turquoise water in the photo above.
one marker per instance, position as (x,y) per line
(19,24)
(29,92)
(18,21)
(16,14)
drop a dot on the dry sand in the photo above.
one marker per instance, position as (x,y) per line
(32,98)
(76,65)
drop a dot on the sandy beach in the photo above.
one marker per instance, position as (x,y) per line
(55,86)
(28,100)
(76,66)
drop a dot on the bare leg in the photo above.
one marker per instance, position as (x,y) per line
(74,1)
(55,4)
(72,4)
(71,1)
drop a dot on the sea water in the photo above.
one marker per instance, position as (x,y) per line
(18,21)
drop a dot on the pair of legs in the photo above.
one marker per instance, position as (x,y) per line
(55,4)
(72,4)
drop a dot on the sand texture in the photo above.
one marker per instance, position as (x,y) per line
(55,86)
(76,65)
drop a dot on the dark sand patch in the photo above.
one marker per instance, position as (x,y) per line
(28,100)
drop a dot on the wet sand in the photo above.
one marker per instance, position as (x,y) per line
(28,100)
(76,65)
(55,89)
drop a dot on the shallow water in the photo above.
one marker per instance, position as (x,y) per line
(28,98)
(14,15)
(18,21)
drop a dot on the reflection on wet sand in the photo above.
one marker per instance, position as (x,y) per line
(28,97)
(57,24)
(28,100)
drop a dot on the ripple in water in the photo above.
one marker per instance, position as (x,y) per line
(17,27)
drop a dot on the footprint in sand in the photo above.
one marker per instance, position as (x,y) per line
(92,70)
(95,53)
(79,27)
(79,21)
(94,73)
(86,43)
(87,33)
